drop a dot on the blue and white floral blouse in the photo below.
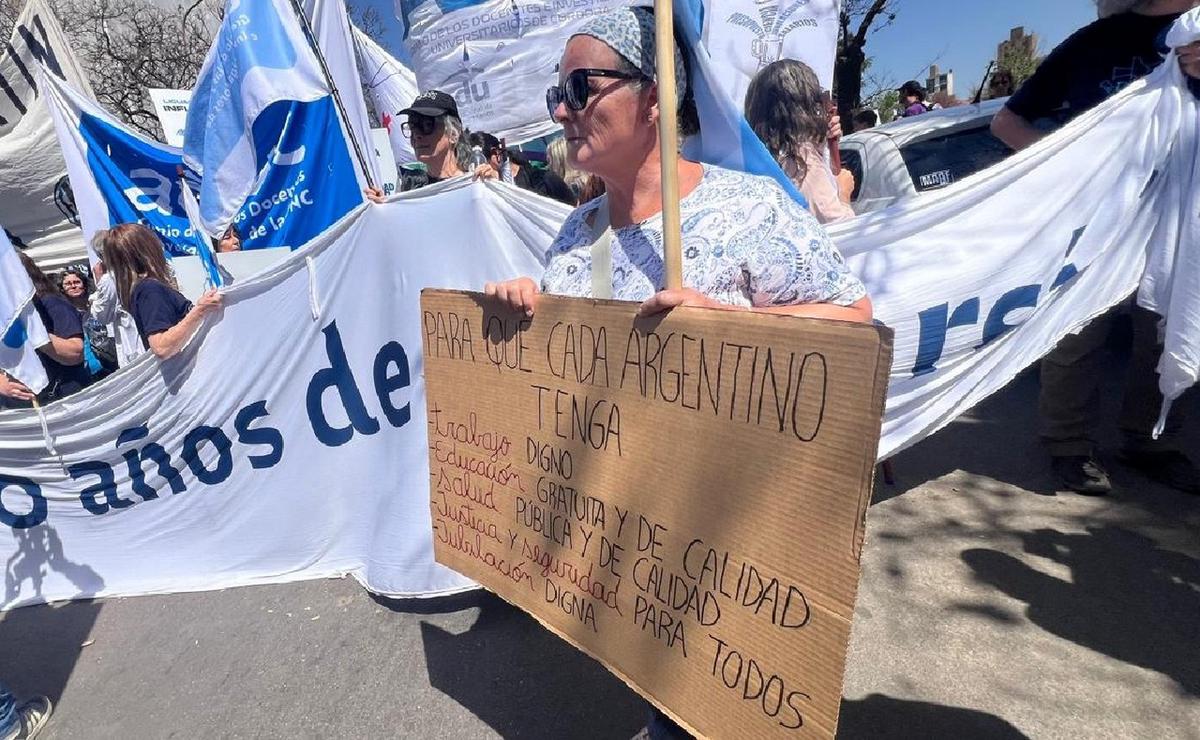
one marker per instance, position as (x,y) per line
(745,243)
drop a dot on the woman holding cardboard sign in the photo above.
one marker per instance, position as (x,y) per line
(746,244)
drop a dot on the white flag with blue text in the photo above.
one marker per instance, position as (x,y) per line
(21,329)
(260,57)
(335,38)
(117,175)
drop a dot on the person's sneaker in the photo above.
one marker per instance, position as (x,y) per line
(1169,467)
(32,717)
(1081,474)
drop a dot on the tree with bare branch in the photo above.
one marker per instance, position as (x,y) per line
(129,46)
(857,20)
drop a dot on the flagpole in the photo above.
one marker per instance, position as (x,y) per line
(668,143)
(337,97)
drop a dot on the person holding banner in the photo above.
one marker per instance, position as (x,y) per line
(63,357)
(747,245)
(788,110)
(437,135)
(1093,64)
(165,320)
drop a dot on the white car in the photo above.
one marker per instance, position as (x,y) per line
(914,155)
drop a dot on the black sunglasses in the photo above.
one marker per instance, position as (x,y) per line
(574,90)
(420,124)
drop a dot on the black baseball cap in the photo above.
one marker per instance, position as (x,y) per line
(433,103)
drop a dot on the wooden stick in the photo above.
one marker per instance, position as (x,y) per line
(668,143)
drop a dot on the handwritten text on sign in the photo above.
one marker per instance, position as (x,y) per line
(680,497)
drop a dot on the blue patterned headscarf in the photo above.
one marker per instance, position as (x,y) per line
(629,31)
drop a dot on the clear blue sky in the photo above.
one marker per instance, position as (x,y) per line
(963,33)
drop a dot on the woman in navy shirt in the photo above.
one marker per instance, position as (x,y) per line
(62,356)
(165,319)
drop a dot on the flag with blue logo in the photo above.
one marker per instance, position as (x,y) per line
(119,176)
(263,131)
(21,329)
(725,138)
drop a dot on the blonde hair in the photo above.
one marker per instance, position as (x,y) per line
(556,156)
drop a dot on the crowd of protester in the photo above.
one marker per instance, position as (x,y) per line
(102,318)
(606,166)
(96,326)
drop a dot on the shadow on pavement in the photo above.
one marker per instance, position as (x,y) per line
(1126,597)
(434,605)
(39,553)
(970,443)
(525,682)
(39,645)
(881,717)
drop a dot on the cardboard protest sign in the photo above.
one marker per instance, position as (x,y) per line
(681,497)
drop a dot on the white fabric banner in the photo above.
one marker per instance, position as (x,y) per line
(224,477)
(286,442)
(392,86)
(984,277)
(496,57)
(171,107)
(1171,286)
(743,36)
(34,192)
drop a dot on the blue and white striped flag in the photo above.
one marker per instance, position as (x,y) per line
(260,57)
(725,138)
(21,329)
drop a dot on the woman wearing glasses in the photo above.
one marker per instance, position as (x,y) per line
(746,244)
(436,132)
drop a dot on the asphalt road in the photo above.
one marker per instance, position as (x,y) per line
(990,607)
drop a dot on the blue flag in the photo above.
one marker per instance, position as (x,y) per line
(263,130)
(306,177)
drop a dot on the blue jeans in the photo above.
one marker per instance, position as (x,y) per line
(8,711)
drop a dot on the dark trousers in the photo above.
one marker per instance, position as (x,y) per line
(1069,406)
